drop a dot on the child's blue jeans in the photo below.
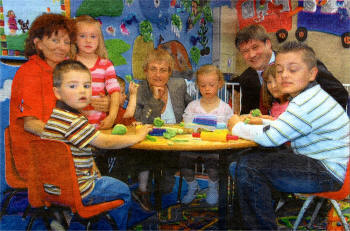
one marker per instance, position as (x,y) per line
(108,189)
(260,172)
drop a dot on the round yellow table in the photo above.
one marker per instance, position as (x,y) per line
(186,142)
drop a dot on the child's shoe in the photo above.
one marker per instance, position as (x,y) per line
(212,193)
(191,192)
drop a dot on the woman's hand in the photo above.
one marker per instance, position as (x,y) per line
(101,103)
(158,92)
(233,121)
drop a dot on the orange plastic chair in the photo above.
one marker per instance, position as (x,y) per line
(13,179)
(53,164)
(342,194)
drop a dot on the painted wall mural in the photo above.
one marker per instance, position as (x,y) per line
(16,17)
(133,27)
(328,16)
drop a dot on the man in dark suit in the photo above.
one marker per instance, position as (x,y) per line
(255,47)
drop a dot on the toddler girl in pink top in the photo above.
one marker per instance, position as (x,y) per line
(91,51)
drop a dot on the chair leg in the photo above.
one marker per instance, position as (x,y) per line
(26,211)
(111,221)
(7,202)
(30,223)
(302,211)
(340,214)
(314,214)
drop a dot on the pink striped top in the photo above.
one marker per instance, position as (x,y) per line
(103,81)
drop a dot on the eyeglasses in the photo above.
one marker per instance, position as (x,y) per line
(161,70)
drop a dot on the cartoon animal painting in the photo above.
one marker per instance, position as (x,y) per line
(24,25)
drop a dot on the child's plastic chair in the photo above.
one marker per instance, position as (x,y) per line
(13,179)
(333,197)
(52,163)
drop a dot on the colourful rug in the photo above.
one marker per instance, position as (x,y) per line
(199,216)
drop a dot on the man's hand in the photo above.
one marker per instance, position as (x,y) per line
(101,103)
(233,121)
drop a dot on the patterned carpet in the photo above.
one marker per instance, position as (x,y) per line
(199,216)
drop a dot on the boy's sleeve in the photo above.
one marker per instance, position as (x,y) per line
(111,82)
(288,126)
(81,133)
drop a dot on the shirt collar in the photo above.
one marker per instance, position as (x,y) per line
(272,60)
(62,105)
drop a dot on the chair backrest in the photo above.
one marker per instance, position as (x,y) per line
(347,87)
(12,177)
(52,163)
(343,192)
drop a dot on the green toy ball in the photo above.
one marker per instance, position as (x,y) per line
(119,129)
(256,112)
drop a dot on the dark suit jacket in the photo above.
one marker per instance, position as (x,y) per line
(250,85)
(148,108)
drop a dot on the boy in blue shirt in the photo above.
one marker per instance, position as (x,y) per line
(318,129)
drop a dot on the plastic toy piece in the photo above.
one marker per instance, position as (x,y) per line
(214,136)
(151,138)
(158,122)
(218,135)
(256,112)
(205,120)
(119,129)
(169,134)
(246,120)
(178,131)
(157,132)
(128,78)
(231,137)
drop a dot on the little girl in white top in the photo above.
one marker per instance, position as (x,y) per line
(209,80)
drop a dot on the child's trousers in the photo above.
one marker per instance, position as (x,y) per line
(108,189)
(260,172)
(188,159)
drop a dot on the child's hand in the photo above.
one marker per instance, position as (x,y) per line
(143,131)
(133,88)
(233,121)
(267,117)
(135,123)
(107,123)
(254,120)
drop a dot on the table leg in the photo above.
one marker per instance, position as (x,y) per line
(157,181)
(223,176)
